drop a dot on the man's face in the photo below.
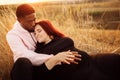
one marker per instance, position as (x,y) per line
(28,22)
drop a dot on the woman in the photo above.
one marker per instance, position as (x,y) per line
(52,41)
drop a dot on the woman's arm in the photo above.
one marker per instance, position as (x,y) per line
(56,46)
(62,57)
(60,49)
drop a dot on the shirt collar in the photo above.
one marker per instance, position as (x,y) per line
(18,26)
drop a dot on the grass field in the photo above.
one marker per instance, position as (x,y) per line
(79,21)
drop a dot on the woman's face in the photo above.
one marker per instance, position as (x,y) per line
(41,35)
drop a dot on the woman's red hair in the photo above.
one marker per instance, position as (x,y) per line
(50,29)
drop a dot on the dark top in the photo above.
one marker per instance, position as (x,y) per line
(64,71)
(106,67)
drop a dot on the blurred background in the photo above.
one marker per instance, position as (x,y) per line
(94,25)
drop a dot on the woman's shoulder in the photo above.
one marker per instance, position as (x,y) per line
(66,40)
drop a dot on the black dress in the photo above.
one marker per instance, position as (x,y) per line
(87,69)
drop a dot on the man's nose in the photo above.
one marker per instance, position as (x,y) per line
(33,23)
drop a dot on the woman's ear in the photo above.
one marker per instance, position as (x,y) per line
(51,37)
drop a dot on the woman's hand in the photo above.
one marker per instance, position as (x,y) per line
(76,58)
(64,57)
(67,57)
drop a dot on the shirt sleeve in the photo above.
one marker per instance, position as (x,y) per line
(19,49)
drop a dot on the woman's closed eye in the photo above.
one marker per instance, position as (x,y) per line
(39,30)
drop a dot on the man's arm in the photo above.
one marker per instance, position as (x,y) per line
(19,49)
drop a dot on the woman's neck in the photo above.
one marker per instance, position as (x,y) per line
(49,40)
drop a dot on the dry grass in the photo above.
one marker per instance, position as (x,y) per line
(71,20)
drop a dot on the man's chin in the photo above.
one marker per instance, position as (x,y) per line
(31,30)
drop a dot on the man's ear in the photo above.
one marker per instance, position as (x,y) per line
(19,19)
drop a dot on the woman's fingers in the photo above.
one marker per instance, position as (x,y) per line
(69,57)
(77,57)
(72,58)
(75,53)
(74,62)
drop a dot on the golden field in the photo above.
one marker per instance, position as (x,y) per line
(78,21)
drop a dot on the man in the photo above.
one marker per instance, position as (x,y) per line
(22,43)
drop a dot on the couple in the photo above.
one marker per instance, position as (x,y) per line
(42,53)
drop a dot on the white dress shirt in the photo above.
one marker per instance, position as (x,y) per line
(23,45)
